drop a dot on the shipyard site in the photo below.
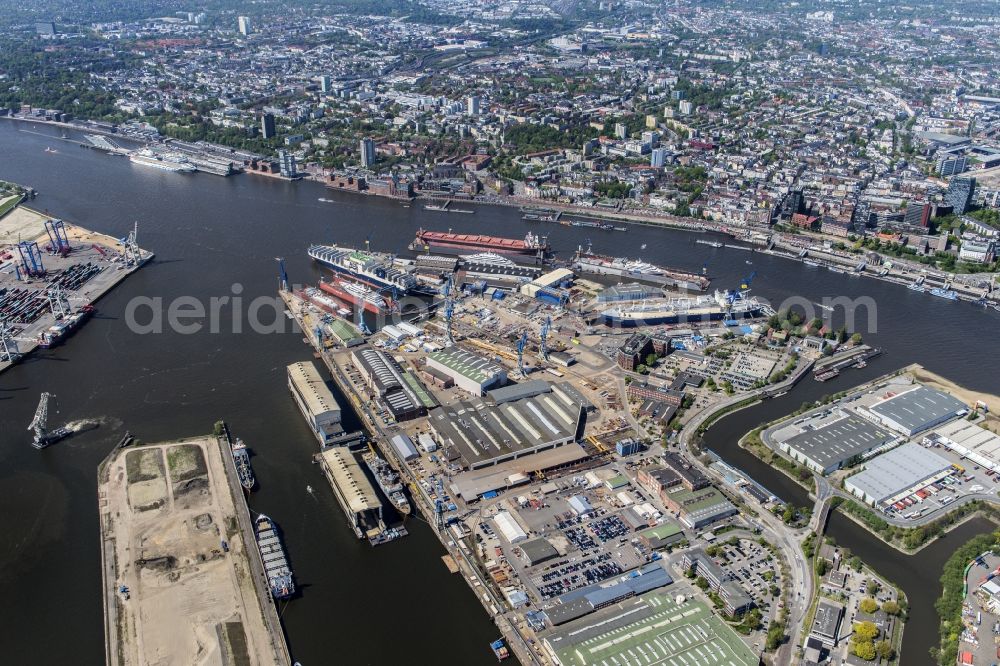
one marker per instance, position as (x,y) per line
(529,410)
(51,274)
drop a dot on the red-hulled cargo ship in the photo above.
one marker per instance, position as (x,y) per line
(358,294)
(531,246)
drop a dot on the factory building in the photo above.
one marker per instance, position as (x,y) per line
(736,601)
(401,392)
(585,600)
(632,291)
(968,440)
(698,508)
(470,372)
(895,475)
(480,435)
(915,410)
(315,401)
(827,447)
(404,448)
(354,491)
(509,527)
(550,287)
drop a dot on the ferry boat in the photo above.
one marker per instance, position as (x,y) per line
(531,245)
(358,294)
(272,554)
(721,305)
(948,294)
(634,269)
(388,481)
(147,157)
(241,456)
(375,269)
(63,328)
(826,374)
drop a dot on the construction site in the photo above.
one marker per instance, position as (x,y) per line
(51,275)
(179,562)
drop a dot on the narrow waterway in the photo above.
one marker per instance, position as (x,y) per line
(218,237)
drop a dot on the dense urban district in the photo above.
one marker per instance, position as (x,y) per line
(545,415)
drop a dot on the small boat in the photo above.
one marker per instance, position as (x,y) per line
(749,263)
(241,456)
(309,489)
(51,150)
(499,649)
(324,200)
(642,247)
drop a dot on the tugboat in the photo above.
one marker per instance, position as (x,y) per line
(241,456)
(279,575)
(388,481)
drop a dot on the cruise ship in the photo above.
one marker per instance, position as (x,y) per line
(272,554)
(147,157)
(358,294)
(387,480)
(633,269)
(375,269)
(719,306)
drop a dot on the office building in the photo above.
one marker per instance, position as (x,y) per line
(918,214)
(325,83)
(367,149)
(658,157)
(267,126)
(698,508)
(959,194)
(949,164)
(472,105)
(735,600)
(826,622)
(244,26)
(286,163)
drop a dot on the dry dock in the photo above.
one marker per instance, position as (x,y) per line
(178,561)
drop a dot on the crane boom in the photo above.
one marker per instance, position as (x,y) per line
(41,415)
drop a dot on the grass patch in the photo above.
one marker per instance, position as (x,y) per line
(186,461)
(143,465)
(9,204)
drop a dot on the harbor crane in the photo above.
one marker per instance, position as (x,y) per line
(130,247)
(521,344)
(56,230)
(747,281)
(39,424)
(544,338)
(282,275)
(31,259)
(449,310)
(8,344)
(59,303)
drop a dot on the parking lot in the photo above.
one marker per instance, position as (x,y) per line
(754,569)
(981,634)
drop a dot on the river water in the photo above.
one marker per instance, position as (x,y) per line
(216,237)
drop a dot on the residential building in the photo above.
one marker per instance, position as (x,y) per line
(367,149)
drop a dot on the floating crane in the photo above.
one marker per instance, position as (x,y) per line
(544,337)
(39,424)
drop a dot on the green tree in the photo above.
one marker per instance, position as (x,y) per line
(891,607)
(864,649)
(885,651)
(868,605)
(865,632)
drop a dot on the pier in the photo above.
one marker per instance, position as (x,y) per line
(181,574)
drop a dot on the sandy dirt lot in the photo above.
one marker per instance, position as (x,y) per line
(190,602)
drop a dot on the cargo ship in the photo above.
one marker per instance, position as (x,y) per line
(531,246)
(358,294)
(147,157)
(272,554)
(375,269)
(388,481)
(62,329)
(241,456)
(641,271)
(723,305)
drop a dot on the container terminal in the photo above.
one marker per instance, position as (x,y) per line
(182,575)
(51,275)
(521,424)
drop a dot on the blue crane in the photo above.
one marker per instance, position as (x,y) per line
(56,230)
(747,281)
(521,344)
(31,258)
(281,273)
(544,336)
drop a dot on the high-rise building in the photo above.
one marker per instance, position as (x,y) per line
(959,194)
(472,105)
(286,163)
(325,83)
(367,152)
(267,126)
(620,130)
(685,107)
(658,157)
(949,164)
(244,24)
(918,214)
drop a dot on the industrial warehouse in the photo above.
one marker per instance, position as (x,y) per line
(897,474)
(315,401)
(480,435)
(827,442)
(466,370)
(969,440)
(915,410)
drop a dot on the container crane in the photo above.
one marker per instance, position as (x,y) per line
(8,344)
(282,275)
(56,230)
(130,247)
